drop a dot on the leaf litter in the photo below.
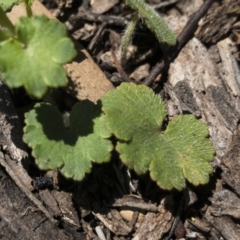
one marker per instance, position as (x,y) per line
(114,181)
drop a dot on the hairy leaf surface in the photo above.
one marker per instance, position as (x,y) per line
(154,21)
(34,58)
(72,149)
(135,115)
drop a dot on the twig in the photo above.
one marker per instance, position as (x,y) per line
(164,4)
(96,37)
(183,38)
(120,69)
(92,17)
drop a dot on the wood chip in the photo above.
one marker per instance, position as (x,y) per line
(67,208)
(102,6)
(114,222)
(135,202)
(229,71)
(231,163)
(154,225)
(195,86)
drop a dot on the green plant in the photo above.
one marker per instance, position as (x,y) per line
(72,148)
(6,5)
(32,54)
(38,45)
(153,21)
(134,114)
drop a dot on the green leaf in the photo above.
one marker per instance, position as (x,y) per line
(184,152)
(154,21)
(135,115)
(34,58)
(8,4)
(72,149)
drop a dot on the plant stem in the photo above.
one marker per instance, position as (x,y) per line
(28,8)
(127,37)
(6,23)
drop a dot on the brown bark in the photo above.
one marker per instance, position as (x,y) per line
(22,219)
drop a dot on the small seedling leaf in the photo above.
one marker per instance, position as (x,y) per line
(34,58)
(134,114)
(73,149)
(184,152)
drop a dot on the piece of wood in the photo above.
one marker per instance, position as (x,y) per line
(224,208)
(196,86)
(229,69)
(20,217)
(218,22)
(207,85)
(11,137)
(155,225)
(231,163)
(86,79)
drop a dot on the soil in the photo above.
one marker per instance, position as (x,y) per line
(199,76)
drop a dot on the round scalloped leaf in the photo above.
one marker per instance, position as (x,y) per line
(72,149)
(135,115)
(35,57)
(184,152)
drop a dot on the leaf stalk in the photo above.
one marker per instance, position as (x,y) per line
(28,8)
(127,37)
